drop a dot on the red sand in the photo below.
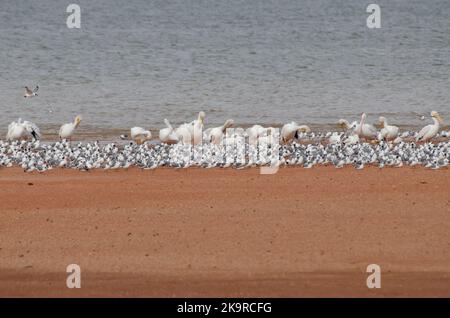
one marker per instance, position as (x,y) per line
(224,232)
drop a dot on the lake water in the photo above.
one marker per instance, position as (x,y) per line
(137,62)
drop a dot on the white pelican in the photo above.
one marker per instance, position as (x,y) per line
(269,138)
(66,131)
(291,130)
(167,135)
(30,93)
(429,131)
(346,125)
(199,122)
(216,133)
(23,130)
(197,129)
(256,132)
(365,130)
(192,132)
(388,132)
(183,133)
(140,135)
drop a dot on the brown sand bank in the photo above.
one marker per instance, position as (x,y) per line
(224,232)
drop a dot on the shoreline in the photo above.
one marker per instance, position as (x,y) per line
(225,232)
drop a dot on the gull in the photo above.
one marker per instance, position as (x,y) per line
(359,165)
(398,163)
(308,165)
(351,139)
(334,138)
(30,93)
(64,162)
(339,164)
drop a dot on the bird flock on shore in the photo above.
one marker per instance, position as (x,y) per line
(190,144)
(359,144)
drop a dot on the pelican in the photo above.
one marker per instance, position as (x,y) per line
(256,132)
(192,132)
(22,130)
(167,135)
(140,135)
(365,130)
(291,130)
(30,93)
(66,131)
(183,133)
(346,125)
(388,132)
(429,131)
(197,122)
(270,138)
(216,134)
(197,129)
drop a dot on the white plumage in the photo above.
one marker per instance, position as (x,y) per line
(140,135)
(67,130)
(23,130)
(290,131)
(429,131)
(387,132)
(216,133)
(167,135)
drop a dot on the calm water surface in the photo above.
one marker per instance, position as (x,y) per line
(137,62)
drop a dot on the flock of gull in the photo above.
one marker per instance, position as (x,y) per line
(190,144)
(358,144)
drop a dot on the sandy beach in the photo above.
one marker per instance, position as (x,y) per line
(225,232)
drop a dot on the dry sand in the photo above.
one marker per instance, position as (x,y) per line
(224,232)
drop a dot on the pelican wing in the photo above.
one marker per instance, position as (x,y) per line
(36,130)
(423,132)
(61,129)
(372,129)
(10,129)
(303,128)
(168,124)
(32,129)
